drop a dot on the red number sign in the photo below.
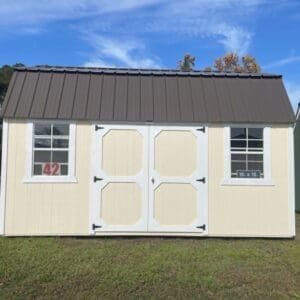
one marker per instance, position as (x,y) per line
(51,169)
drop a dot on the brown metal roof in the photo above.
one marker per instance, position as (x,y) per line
(135,95)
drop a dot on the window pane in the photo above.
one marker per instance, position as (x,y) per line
(255,144)
(61,129)
(64,170)
(239,157)
(42,156)
(256,166)
(42,143)
(255,133)
(238,144)
(60,143)
(37,170)
(42,129)
(235,166)
(255,157)
(238,133)
(60,156)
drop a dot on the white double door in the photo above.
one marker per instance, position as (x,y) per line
(149,179)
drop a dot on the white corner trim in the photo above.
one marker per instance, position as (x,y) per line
(71,178)
(3,176)
(267,180)
(291,180)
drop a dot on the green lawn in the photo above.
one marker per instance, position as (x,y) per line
(149,268)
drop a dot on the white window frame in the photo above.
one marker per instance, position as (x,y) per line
(29,177)
(266,180)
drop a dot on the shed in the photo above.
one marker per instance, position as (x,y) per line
(92,151)
(297,158)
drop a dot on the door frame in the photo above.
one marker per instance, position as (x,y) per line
(146,128)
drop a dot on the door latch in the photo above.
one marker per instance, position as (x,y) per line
(152,180)
(94,226)
(201,227)
(203,180)
(97,179)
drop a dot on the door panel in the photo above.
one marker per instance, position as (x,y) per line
(177,199)
(121,162)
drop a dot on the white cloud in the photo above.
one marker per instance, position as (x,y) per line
(221,20)
(293,91)
(111,52)
(283,62)
(233,38)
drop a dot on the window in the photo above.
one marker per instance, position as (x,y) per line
(51,149)
(51,152)
(247,152)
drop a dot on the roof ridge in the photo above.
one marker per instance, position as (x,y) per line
(136,71)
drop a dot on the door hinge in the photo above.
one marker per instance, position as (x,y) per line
(97,127)
(97,179)
(94,226)
(203,180)
(201,227)
(201,129)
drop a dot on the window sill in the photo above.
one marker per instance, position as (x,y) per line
(248,182)
(50,179)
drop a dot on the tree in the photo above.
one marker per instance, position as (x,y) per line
(231,62)
(6,72)
(187,63)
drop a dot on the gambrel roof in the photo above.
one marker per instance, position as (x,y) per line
(136,95)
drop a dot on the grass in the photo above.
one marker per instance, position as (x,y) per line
(149,268)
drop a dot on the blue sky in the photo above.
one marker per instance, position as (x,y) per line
(152,33)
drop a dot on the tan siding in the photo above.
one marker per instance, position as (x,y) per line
(46,208)
(249,210)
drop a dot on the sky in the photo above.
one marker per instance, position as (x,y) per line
(152,33)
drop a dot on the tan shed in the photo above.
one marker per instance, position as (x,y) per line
(89,151)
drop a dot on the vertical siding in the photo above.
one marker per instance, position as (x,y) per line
(249,210)
(46,208)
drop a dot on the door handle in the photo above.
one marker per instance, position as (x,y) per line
(152,180)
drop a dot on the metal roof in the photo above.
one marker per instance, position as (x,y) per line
(142,95)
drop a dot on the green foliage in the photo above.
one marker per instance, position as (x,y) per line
(6,72)
(187,63)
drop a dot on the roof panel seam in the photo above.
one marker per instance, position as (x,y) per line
(87,97)
(34,92)
(61,93)
(74,96)
(101,95)
(127,98)
(20,93)
(114,97)
(178,99)
(47,95)
(191,98)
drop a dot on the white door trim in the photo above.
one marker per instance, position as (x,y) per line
(141,179)
(202,188)
(3,176)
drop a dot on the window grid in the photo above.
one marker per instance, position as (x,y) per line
(246,153)
(50,149)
